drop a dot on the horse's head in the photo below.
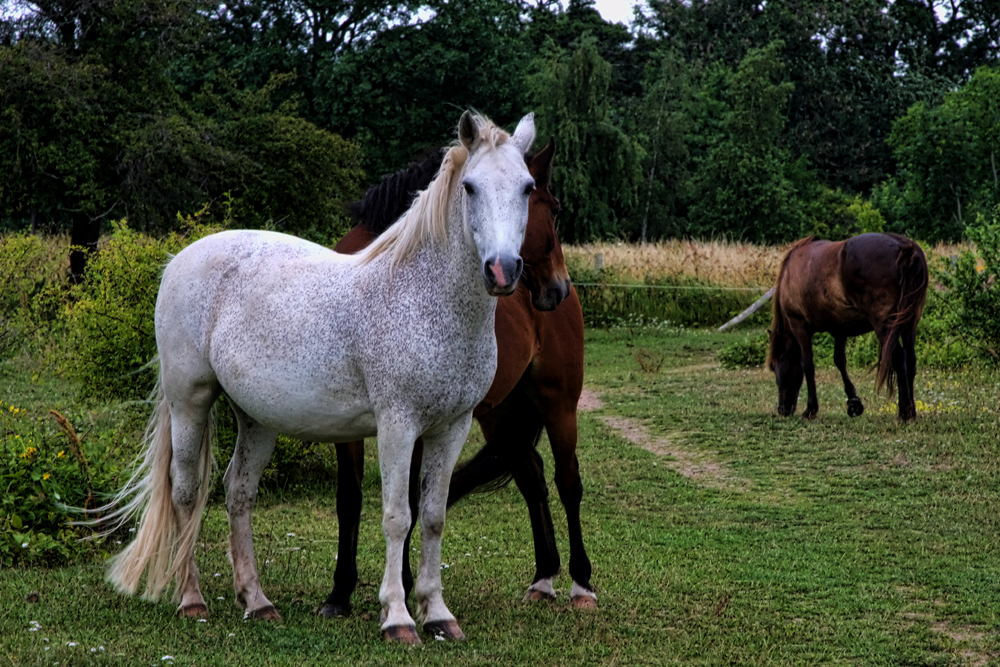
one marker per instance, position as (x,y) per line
(545,272)
(785,359)
(495,186)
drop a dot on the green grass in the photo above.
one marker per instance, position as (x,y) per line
(835,541)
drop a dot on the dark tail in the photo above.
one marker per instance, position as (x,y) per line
(912,270)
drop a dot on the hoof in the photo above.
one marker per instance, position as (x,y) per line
(809,414)
(535,595)
(855,408)
(267,613)
(404,634)
(583,602)
(445,629)
(197,610)
(330,610)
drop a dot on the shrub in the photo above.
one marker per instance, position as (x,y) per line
(43,469)
(32,277)
(749,352)
(111,337)
(970,299)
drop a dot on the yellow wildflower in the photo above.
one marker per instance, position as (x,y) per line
(61,454)
(46,476)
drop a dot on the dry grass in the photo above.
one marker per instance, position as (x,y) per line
(721,263)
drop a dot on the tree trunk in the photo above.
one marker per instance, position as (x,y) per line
(86,233)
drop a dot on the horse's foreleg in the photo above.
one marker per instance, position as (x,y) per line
(441,450)
(395,454)
(350,473)
(804,339)
(562,429)
(854,405)
(254,446)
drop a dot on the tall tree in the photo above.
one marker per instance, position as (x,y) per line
(747,185)
(949,157)
(598,173)
(403,90)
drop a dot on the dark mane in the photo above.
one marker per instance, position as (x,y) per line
(778,333)
(385,202)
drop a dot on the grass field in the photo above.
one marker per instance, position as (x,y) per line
(720,534)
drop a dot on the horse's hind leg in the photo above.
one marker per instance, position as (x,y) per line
(350,473)
(190,404)
(512,430)
(254,446)
(562,429)
(854,405)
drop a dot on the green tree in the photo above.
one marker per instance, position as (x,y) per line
(747,185)
(93,128)
(402,91)
(662,124)
(598,173)
(948,161)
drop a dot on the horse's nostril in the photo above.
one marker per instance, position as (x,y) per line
(518,266)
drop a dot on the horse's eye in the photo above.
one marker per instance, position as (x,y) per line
(468,188)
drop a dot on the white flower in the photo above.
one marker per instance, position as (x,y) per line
(70,643)
(167,657)
(24,545)
(289,534)
(203,620)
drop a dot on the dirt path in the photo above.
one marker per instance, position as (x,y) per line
(698,466)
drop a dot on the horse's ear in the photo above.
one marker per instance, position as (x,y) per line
(524,135)
(541,165)
(468,130)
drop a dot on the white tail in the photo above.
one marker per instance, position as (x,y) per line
(159,540)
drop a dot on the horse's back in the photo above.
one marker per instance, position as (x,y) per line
(846,287)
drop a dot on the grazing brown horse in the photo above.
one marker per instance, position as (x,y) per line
(538,382)
(872,282)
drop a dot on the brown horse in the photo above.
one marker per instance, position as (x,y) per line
(538,382)
(872,282)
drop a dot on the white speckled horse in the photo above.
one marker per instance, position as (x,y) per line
(397,340)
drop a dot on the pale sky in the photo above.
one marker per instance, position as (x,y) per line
(615,11)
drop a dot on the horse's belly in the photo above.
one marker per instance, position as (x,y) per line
(308,414)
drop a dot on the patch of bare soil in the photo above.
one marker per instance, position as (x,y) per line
(969,641)
(700,467)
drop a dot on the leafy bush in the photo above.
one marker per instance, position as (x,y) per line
(44,469)
(750,352)
(32,275)
(969,295)
(111,337)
